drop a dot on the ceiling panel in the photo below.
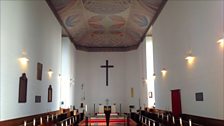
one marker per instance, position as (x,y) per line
(106,25)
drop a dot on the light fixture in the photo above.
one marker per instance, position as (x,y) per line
(23,59)
(154,76)
(221,40)
(190,58)
(50,72)
(145,81)
(163,71)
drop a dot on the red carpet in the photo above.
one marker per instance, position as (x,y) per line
(104,120)
(101,121)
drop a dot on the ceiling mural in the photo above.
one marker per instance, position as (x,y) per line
(106,25)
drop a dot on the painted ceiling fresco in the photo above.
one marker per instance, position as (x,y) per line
(106,25)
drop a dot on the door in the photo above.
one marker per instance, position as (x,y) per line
(176,102)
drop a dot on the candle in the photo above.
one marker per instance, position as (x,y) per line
(24,123)
(47,118)
(70,121)
(149,122)
(52,117)
(41,121)
(34,121)
(154,124)
(73,119)
(162,115)
(173,120)
(167,118)
(86,108)
(66,124)
(181,122)
(62,124)
(190,124)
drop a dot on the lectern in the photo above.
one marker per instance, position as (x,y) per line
(107,111)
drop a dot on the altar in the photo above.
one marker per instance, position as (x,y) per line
(101,110)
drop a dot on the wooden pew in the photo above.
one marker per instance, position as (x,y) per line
(47,119)
(166,118)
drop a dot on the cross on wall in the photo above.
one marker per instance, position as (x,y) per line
(107,66)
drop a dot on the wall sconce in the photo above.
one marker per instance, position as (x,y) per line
(221,42)
(154,76)
(23,59)
(164,72)
(144,80)
(23,62)
(190,58)
(50,72)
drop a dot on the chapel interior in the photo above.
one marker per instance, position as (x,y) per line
(112,62)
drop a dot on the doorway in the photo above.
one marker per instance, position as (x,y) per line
(176,102)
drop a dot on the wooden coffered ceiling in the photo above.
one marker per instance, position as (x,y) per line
(106,25)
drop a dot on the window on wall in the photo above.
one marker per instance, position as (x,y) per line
(150,71)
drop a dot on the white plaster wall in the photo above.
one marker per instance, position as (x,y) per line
(68,73)
(128,72)
(0,54)
(143,74)
(28,25)
(180,26)
(82,66)
(96,91)
(133,79)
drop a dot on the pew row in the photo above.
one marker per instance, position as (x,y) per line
(46,119)
(157,117)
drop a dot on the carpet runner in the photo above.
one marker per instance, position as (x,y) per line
(101,121)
